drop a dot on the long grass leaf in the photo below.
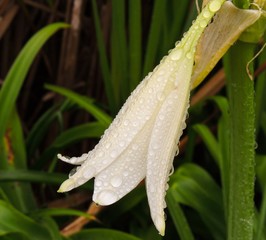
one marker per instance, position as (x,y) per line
(179,218)
(101,233)
(224,146)
(210,141)
(70,136)
(103,58)
(16,222)
(154,36)
(135,46)
(18,72)
(84,102)
(39,129)
(194,187)
(119,54)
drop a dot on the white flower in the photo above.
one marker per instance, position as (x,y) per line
(143,138)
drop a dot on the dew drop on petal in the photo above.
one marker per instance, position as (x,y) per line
(206,13)
(215,6)
(125,174)
(113,154)
(177,54)
(203,23)
(89,172)
(126,122)
(98,183)
(106,197)
(189,55)
(116,181)
(73,171)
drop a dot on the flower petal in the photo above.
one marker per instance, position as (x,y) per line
(143,103)
(125,173)
(163,146)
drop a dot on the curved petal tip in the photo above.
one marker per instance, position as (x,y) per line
(66,186)
(159,223)
(106,197)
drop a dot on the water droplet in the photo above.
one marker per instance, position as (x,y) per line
(73,171)
(116,181)
(106,197)
(203,23)
(189,55)
(135,147)
(161,72)
(206,14)
(89,172)
(125,173)
(98,183)
(107,145)
(160,96)
(161,117)
(122,144)
(215,6)
(100,154)
(126,122)
(113,154)
(176,54)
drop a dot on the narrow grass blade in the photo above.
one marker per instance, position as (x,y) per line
(16,222)
(101,233)
(70,136)
(13,156)
(194,187)
(178,217)
(154,36)
(84,102)
(119,54)
(103,59)
(210,141)
(135,46)
(18,72)
(39,129)
(224,147)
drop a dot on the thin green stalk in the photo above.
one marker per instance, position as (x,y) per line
(242,163)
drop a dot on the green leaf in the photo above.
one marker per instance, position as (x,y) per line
(154,35)
(119,52)
(210,141)
(70,136)
(224,146)
(178,217)
(13,156)
(135,51)
(109,89)
(101,233)
(84,102)
(16,222)
(39,129)
(194,187)
(62,212)
(19,70)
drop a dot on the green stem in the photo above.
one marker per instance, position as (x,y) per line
(242,163)
(242,3)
